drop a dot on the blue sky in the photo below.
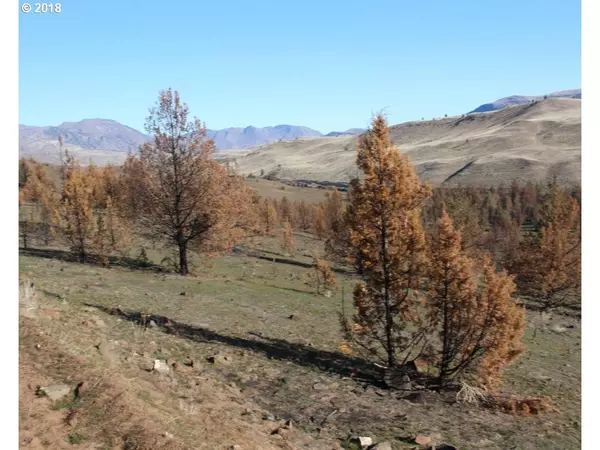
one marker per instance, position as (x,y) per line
(323,64)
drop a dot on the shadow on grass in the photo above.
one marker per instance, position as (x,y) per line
(280,349)
(277,258)
(274,286)
(63,255)
(570,310)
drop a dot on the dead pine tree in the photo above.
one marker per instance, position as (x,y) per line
(319,226)
(385,230)
(269,217)
(182,196)
(547,265)
(478,324)
(321,276)
(288,243)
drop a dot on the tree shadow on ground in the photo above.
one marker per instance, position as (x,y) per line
(280,349)
(93,260)
(569,310)
(277,258)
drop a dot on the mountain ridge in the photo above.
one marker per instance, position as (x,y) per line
(111,136)
(513,100)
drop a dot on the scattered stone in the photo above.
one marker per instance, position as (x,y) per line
(178,367)
(56,391)
(99,322)
(269,417)
(152,324)
(235,447)
(219,358)
(556,328)
(381,446)
(38,346)
(54,314)
(160,366)
(106,352)
(416,397)
(320,387)
(363,441)
(291,317)
(71,418)
(423,440)
(81,388)
(288,424)
(168,435)
(147,365)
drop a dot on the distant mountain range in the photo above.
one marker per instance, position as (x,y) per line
(105,140)
(110,136)
(240,138)
(521,99)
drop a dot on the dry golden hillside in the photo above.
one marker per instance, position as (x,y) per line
(526,142)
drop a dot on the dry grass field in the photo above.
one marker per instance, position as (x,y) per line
(525,142)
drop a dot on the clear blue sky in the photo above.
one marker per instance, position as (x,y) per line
(324,64)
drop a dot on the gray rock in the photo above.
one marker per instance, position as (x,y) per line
(416,397)
(161,366)
(363,441)
(106,352)
(56,391)
(320,387)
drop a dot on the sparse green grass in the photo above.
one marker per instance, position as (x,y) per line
(75,438)
(245,304)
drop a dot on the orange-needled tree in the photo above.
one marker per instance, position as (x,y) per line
(385,231)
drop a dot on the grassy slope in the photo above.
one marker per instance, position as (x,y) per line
(241,306)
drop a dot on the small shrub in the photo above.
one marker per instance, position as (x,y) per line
(143,258)
(322,276)
(75,438)
(523,406)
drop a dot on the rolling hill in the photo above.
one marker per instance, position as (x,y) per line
(521,99)
(528,142)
